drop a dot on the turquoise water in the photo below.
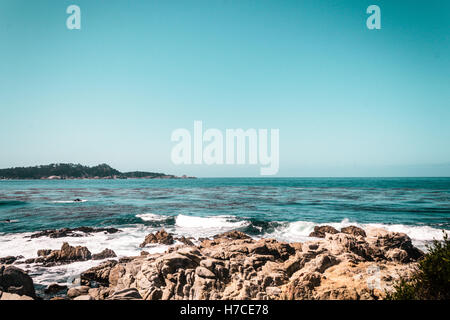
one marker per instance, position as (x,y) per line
(282,208)
(46,204)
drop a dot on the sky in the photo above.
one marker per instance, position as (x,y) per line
(348,101)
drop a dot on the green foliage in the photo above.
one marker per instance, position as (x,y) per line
(72,171)
(431,281)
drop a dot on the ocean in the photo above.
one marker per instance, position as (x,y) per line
(282,208)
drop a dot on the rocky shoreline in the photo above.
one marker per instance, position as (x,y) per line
(346,264)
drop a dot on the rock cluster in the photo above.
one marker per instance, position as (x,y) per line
(68,254)
(9,259)
(75,232)
(321,231)
(343,265)
(163,237)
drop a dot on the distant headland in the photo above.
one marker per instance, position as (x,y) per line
(78,171)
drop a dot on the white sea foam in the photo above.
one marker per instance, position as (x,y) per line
(125,243)
(206,226)
(417,233)
(69,201)
(152,217)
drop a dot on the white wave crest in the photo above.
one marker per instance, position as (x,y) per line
(215,222)
(151,217)
(69,201)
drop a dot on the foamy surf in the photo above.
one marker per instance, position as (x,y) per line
(124,243)
(69,201)
(206,226)
(152,217)
(300,230)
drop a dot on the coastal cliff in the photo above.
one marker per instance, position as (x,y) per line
(348,264)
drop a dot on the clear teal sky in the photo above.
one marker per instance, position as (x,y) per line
(348,101)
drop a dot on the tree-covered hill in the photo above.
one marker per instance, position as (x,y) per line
(75,171)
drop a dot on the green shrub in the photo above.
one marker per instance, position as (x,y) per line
(431,281)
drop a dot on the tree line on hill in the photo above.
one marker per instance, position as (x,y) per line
(74,171)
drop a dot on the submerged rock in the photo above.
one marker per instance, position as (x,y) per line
(55,288)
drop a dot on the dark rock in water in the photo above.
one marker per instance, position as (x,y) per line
(234,235)
(319,231)
(75,232)
(67,254)
(9,259)
(354,231)
(107,253)
(15,280)
(54,288)
(161,237)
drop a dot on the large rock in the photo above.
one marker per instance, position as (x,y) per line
(320,231)
(395,245)
(98,274)
(68,254)
(13,296)
(77,291)
(161,237)
(126,294)
(105,254)
(186,241)
(15,280)
(353,230)
(84,297)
